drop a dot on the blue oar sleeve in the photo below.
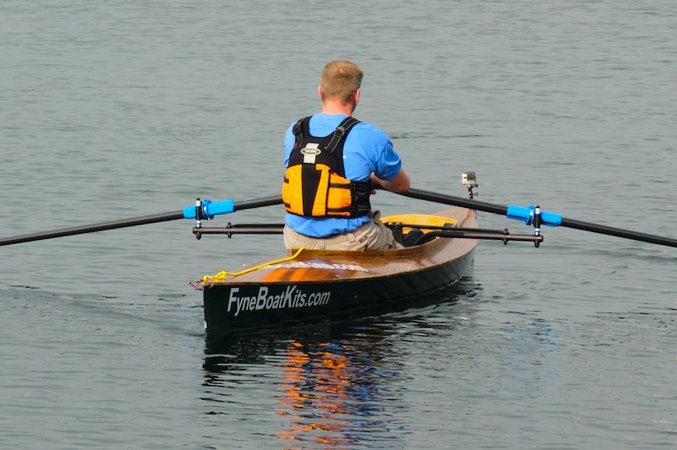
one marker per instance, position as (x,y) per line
(527,215)
(210,209)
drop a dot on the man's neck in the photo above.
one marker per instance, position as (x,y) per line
(337,107)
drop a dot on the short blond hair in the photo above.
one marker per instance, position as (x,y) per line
(340,80)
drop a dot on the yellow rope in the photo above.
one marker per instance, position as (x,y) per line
(223,276)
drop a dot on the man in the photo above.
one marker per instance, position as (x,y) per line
(332,160)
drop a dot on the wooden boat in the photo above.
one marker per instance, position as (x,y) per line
(319,285)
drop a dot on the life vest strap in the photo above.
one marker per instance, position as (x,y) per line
(340,131)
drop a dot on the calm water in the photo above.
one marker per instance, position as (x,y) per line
(119,109)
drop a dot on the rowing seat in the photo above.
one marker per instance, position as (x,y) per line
(410,239)
(410,229)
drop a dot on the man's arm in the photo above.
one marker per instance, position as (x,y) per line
(399,183)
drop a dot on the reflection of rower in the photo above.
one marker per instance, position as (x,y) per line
(325,388)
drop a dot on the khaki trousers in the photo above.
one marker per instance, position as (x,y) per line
(372,235)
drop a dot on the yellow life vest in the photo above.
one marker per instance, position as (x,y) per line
(315,184)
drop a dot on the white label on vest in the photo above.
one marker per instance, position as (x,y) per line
(310,151)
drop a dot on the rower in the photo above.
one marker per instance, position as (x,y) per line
(332,160)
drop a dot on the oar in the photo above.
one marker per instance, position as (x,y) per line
(527,215)
(209,210)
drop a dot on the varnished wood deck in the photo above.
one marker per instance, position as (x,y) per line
(336,266)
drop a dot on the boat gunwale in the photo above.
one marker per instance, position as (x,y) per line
(396,252)
(374,278)
(438,244)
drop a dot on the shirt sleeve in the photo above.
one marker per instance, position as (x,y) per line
(289,140)
(388,164)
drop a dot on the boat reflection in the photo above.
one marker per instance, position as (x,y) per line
(328,385)
(331,395)
(329,389)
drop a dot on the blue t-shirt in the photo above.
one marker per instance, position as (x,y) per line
(367,149)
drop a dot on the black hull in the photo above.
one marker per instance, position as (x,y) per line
(233,308)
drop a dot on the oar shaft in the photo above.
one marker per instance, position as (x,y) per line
(155,218)
(258,203)
(221,208)
(570,223)
(618,232)
(455,201)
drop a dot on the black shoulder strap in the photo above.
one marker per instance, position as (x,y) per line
(340,132)
(298,128)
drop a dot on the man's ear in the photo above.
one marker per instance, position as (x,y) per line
(319,91)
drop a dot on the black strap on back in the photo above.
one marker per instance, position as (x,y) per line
(342,130)
(298,130)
